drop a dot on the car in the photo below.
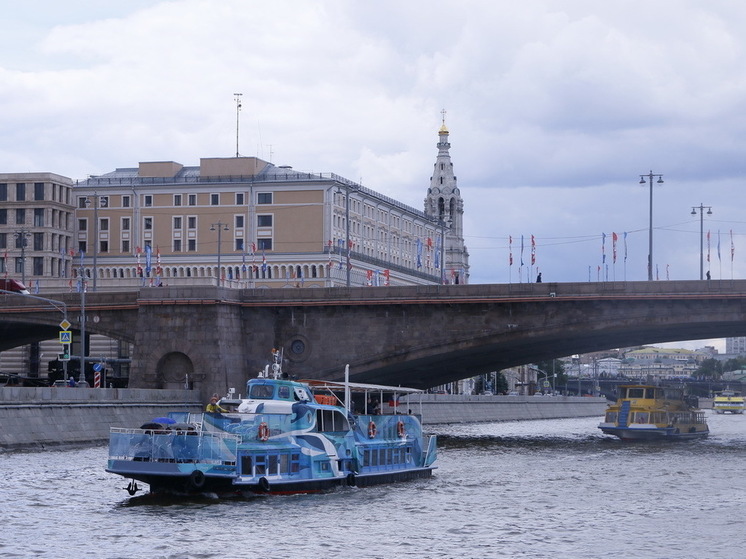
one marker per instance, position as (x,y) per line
(13,285)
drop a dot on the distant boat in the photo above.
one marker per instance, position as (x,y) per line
(282,438)
(647,412)
(728,401)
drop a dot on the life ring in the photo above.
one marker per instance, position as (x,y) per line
(197,479)
(372,430)
(264,484)
(400,431)
(263,434)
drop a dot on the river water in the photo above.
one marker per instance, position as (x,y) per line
(535,489)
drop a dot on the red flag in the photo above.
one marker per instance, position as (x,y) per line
(533,250)
(614,238)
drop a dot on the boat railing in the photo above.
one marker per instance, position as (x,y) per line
(148,445)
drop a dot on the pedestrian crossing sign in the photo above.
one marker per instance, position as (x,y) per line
(66,337)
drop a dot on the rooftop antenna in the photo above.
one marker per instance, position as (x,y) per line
(238,110)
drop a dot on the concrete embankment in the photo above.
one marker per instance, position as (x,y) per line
(445,408)
(41,417)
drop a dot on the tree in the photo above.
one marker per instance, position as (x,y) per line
(553,366)
(710,368)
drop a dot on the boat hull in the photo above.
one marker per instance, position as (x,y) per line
(654,433)
(173,481)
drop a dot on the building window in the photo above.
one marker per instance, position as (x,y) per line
(125,201)
(103,246)
(214,199)
(192,245)
(103,224)
(3,192)
(21,191)
(38,264)
(239,245)
(264,221)
(3,216)
(82,225)
(192,222)
(148,200)
(82,246)
(177,199)
(177,245)
(177,222)
(38,241)
(38,217)
(264,244)
(264,198)
(239,198)
(125,246)
(38,191)
(192,200)
(20,216)
(148,223)
(125,224)
(3,240)
(82,202)
(103,201)
(239,222)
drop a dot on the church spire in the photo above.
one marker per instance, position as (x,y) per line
(444,204)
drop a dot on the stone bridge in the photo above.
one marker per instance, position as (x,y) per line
(412,336)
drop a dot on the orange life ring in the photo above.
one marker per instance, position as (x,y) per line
(400,431)
(263,434)
(372,429)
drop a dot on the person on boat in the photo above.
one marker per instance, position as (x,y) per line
(214,407)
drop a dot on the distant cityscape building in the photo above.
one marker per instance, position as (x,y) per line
(735,346)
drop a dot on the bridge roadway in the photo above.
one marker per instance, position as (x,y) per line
(412,336)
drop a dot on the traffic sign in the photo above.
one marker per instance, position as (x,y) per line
(66,337)
(65,325)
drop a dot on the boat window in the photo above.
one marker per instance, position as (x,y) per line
(301,395)
(283,392)
(261,391)
(641,417)
(611,416)
(635,393)
(331,420)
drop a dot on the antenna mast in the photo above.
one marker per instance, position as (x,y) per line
(238,110)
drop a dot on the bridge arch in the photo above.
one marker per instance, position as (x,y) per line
(173,369)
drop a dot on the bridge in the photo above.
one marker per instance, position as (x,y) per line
(419,336)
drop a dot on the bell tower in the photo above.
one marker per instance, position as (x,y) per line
(445,205)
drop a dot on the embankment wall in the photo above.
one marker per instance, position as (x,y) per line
(41,417)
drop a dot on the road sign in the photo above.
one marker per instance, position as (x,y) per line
(66,337)
(546,384)
(65,325)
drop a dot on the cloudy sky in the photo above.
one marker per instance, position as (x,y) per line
(555,109)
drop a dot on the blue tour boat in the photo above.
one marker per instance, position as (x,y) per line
(286,436)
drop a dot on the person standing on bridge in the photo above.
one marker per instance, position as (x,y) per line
(538,278)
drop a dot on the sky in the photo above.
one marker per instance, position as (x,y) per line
(555,108)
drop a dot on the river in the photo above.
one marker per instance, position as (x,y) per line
(534,489)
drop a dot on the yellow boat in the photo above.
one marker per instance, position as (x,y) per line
(647,412)
(728,401)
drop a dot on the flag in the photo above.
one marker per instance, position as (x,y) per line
(510,250)
(533,250)
(718,245)
(732,246)
(521,250)
(625,246)
(341,243)
(243,257)
(614,239)
(386,277)
(708,246)
(369,277)
(148,259)
(419,253)
(603,248)
(264,261)
(437,254)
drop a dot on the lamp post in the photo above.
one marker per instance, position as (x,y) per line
(95,236)
(650,177)
(220,227)
(348,280)
(443,225)
(701,209)
(21,236)
(82,284)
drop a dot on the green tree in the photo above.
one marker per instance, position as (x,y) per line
(553,366)
(710,368)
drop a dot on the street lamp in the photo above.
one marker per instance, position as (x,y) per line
(443,223)
(650,177)
(220,227)
(21,236)
(701,209)
(95,236)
